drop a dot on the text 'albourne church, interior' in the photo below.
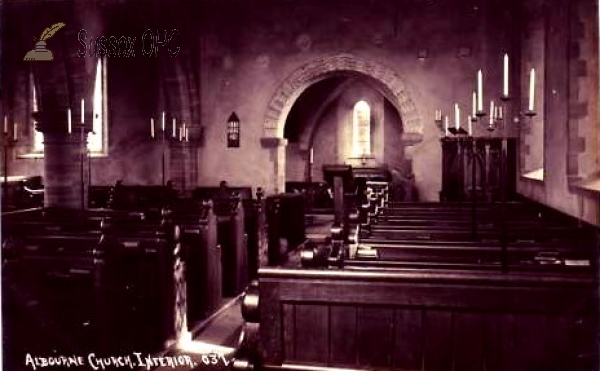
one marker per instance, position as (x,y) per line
(300,185)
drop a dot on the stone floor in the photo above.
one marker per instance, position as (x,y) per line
(215,340)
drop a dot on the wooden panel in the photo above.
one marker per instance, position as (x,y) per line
(408,344)
(499,342)
(311,333)
(289,334)
(375,323)
(438,343)
(469,334)
(343,332)
(532,333)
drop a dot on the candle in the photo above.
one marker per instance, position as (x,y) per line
(15,130)
(474,103)
(457,115)
(152,127)
(479,91)
(470,123)
(531,88)
(163,121)
(311,157)
(69,120)
(180,133)
(5,124)
(505,85)
(174,129)
(446,125)
(491,112)
(82,111)
(187,134)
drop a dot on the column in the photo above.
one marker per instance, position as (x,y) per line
(65,163)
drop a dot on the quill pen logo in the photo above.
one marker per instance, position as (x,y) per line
(40,53)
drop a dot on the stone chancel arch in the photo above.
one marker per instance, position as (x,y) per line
(389,82)
(394,89)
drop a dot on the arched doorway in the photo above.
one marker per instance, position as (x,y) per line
(340,68)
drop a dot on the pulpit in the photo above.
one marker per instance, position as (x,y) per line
(475,167)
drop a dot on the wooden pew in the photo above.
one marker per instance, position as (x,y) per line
(202,255)
(141,197)
(285,225)
(233,240)
(123,279)
(254,217)
(359,319)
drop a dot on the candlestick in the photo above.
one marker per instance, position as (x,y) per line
(456,116)
(531,88)
(69,120)
(187,134)
(479,90)
(446,125)
(491,113)
(174,129)
(82,111)
(152,127)
(163,121)
(470,123)
(311,157)
(15,130)
(505,85)
(5,124)
(474,104)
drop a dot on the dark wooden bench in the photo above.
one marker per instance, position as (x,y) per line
(105,294)
(116,283)
(416,319)
(202,255)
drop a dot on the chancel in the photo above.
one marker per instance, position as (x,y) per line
(301,185)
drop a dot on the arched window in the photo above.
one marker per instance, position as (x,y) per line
(361,129)
(97,138)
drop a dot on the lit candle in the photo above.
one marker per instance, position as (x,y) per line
(5,124)
(446,125)
(505,85)
(474,103)
(479,91)
(491,112)
(152,127)
(15,130)
(470,126)
(82,111)
(456,116)
(531,88)
(163,121)
(174,129)
(69,120)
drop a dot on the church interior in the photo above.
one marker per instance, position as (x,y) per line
(300,185)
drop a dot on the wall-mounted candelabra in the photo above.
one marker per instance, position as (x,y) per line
(169,134)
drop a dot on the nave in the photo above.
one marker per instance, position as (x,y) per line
(362,284)
(300,184)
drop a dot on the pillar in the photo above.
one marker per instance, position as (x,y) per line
(65,164)
(276,147)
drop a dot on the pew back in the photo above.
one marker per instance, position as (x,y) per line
(426,320)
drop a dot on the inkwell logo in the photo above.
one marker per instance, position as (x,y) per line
(40,53)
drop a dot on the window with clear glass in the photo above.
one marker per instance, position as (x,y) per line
(97,138)
(361,129)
